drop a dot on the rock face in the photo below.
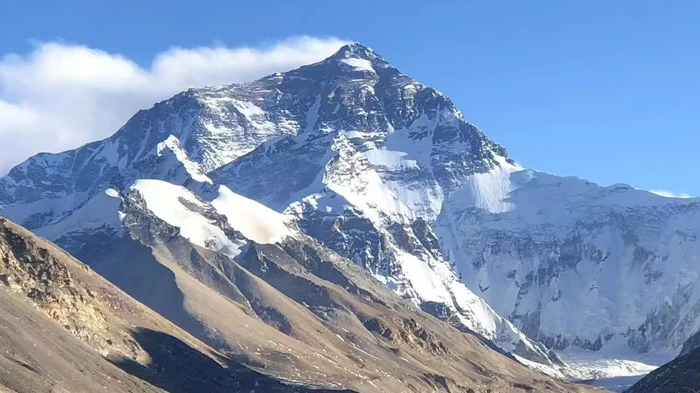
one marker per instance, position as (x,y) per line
(383,171)
(691,344)
(32,270)
(678,376)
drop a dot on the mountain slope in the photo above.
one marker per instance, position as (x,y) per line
(625,259)
(678,376)
(351,169)
(65,329)
(322,320)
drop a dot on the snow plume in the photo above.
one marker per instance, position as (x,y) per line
(55,97)
(670,194)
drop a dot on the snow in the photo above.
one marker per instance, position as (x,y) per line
(351,176)
(670,194)
(424,281)
(100,212)
(231,125)
(543,368)
(489,191)
(110,152)
(255,221)
(192,168)
(112,192)
(173,204)
(401,154)
(54,207)
(606,372)
(359,64)
(525,225)
(371,179)
(390,159)
(589,365)
(616,384)
(312,116)
(433,280)
(248,109)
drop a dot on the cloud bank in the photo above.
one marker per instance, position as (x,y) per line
(60,96)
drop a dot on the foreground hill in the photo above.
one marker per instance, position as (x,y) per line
(63,327)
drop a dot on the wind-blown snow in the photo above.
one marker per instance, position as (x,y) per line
(255,221)
(488,191)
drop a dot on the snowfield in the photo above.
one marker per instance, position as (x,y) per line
(180,208)
(254,220)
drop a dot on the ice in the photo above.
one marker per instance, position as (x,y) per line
(112,193)
(522,213)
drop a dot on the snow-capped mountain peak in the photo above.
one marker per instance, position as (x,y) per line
(356,50)
(349,139)
(359,58)
(388,173)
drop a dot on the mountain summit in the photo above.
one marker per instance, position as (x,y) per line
(356,50)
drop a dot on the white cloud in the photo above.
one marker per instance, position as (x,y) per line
(60,96)
(670,194)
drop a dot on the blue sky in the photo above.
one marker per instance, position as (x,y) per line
(604,90)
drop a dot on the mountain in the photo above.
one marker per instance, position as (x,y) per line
(355,195)
(678,376)
(371,166)
(626,260)
(62,197)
